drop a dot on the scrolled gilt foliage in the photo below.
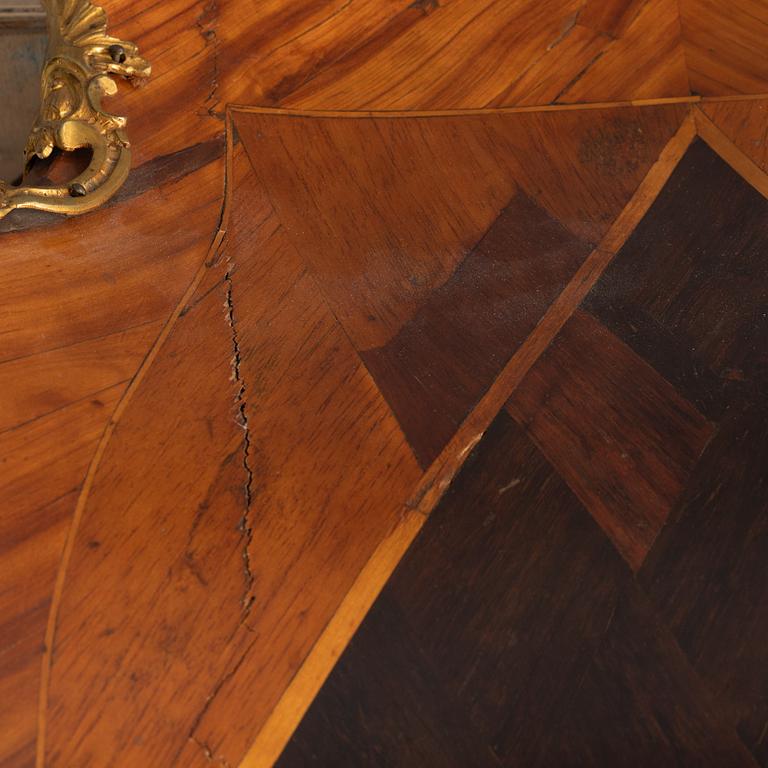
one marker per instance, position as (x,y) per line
(82,59)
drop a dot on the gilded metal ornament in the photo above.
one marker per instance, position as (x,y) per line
(80,64)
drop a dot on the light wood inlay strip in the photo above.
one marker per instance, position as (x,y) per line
(356,113)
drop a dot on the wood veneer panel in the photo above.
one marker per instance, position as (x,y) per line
(382,209)
(677,672)
(104,284)
(687,294)
(616,431)
(443,359)
(460,54)
(204,55)
(422,233)
(82,302)
(706,574)
(331,467)
(688,291)
(745,123)
(611,17)
(726,45)
(166,502)
(42,465)
(30,552)
(645,59)
(513,615)
(238,530)
(39,384)
(408,198)
(430,55)
(293,704)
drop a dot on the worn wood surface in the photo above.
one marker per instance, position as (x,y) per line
(396,193)
(275,536)
(640,432)
(137,342)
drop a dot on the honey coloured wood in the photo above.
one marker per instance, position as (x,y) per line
(230,399)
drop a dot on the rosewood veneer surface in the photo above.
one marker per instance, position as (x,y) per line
(469,294)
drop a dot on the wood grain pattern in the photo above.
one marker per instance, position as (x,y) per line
(687,296)
(293,704)
(645,58)
(745,123)
(257,542)
(445,293)
(65,365)
(725,46)
(741,163)
(397,192)
(652,295)
(459,53)
(210,714)
(706,573)
(84,301)
(513,619)
(615,430)
(646,296)
(441,361)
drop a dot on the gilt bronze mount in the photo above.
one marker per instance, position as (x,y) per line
(80,63)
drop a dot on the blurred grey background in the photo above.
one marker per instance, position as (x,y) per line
(22,53)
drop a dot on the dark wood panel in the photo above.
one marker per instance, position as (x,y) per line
(689,294)
(641,687)
(387,706)
(707,571)
(617,432)
(513,612)
(688,291)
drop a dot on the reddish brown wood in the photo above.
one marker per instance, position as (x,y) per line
(646,58)
(84,301)
(443,294)
(745,123)
(65,365)
(238,480)
(725,46)
(614,429)
(439,364)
